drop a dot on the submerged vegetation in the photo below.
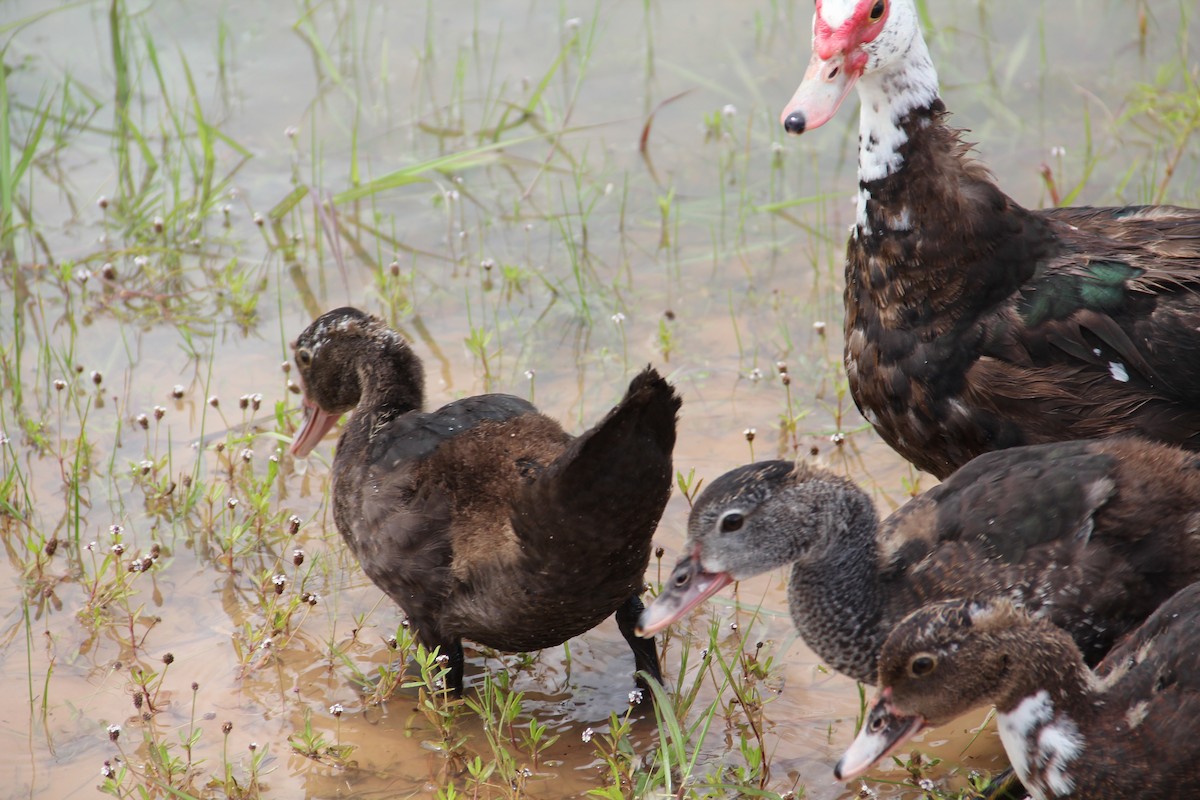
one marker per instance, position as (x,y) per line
(542,197)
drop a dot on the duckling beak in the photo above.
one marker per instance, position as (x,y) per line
(688,587)
(316,424)
(826,84)
(884,730)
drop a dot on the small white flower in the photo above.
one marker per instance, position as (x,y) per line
(141,261)
(107,771)
(337,709)
(113,729)
(290,131)
(635,697)
(729,111)
(573,24)
(529,375)
(3,438)
(618,318)
(247,454)
(118,548)
(587,734)
(926,784)
(838,438)
(1058,151)
(756,375)
(279,580)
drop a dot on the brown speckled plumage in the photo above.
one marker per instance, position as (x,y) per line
(986,325)
(484,520)
(973,324)
(1128,730)
(1092,534)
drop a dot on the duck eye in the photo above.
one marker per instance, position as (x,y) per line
(877,10)
(304,356)
(731,522)
(922,664)
(681,578)
(876,724)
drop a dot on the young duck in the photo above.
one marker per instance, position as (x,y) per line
(973,324)
(1124,731)
(484,520)
(1093,535)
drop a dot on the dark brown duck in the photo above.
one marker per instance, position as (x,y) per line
(973,324)
(1128,731)
(484,520)
(1093,535)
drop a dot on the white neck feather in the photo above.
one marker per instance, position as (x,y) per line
(910,81)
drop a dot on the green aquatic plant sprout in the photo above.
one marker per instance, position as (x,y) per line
(539,196)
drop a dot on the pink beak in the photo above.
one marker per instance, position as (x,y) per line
(884,730)
(825,85)
(316,424)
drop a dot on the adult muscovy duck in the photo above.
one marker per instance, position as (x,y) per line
(1094,535)
(484,520)
(1127,730)
(973,324)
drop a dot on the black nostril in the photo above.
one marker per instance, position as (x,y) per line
(794,123)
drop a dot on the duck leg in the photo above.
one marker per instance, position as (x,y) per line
(456,666)
(645,651)
(1004,786)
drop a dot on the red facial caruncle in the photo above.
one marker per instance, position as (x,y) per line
(838,60)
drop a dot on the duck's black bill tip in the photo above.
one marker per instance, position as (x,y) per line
(794,123)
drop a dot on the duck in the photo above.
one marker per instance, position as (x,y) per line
(484,520)
(1093,535)
(1121,731)
(972,323)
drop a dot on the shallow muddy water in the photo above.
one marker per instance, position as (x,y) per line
(546,255)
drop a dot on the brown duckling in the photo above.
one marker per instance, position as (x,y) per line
(972,323)
(1130,730)
(484,520)
(1093,535)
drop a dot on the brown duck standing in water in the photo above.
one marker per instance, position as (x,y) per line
(1128,731)
(1093,535)
(973,324)
(484,520)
